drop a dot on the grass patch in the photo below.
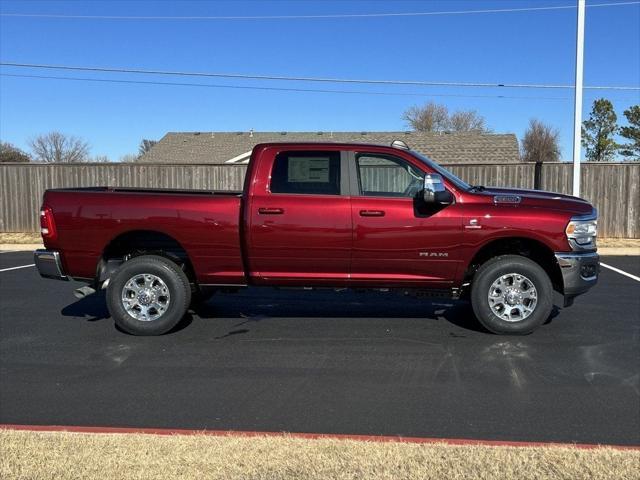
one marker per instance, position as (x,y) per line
(62,455)
(20,237)
(619,242)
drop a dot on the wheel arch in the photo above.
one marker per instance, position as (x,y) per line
(134,243)
(528,247)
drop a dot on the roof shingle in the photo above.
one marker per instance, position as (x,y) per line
(219,147)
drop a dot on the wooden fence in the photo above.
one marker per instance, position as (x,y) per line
(613,188)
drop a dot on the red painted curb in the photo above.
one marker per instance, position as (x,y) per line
(338,436)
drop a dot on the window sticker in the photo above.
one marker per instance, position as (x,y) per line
(308,169)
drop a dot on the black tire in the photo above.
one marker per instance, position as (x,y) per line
(176,282)
(490,272)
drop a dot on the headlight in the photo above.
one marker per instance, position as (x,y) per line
(582,231)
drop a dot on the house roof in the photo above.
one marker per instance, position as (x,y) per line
(233,147)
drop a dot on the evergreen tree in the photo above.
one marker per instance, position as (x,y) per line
(598,132)
(631,132)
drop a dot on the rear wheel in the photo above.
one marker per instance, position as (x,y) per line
(511,294)
(148,295)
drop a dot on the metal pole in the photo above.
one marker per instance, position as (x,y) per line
(577,114)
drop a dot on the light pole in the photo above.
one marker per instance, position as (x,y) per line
(577,114)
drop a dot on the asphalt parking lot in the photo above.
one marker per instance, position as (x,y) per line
(325,362)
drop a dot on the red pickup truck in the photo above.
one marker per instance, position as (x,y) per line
(324,215)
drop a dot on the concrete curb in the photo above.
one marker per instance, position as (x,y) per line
(24,247)
(307,436)
(627,251)
(19,247)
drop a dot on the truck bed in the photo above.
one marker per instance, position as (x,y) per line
(205,223)
(171,191)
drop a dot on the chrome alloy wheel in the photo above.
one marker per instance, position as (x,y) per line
(145,297)
(512,297)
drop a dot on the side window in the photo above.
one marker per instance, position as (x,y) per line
(387,176)
(314,173)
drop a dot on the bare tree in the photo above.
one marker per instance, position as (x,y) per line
(10,153)
(56,147)
(467,121)
(128,158)
(145,146)
(431,117)
(540,143)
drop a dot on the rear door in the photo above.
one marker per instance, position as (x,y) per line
(398,240)
(300,226)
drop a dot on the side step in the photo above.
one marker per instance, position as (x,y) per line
(84,291)
(451,293)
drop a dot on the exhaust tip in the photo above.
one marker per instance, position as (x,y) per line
(83,291)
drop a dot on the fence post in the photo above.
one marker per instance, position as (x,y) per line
(537,176)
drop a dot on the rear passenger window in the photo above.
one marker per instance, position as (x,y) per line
(313,173)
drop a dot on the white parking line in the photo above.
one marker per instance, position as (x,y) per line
(16,268)
(14,251)
(621,272)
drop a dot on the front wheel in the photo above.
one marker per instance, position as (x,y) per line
(148,295)
(511,294)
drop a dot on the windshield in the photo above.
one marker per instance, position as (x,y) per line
(442,171)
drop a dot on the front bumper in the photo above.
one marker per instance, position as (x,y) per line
(49,264)
(579,272)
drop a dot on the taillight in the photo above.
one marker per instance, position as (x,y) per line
(47,224)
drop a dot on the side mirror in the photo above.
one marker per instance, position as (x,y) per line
(434,191)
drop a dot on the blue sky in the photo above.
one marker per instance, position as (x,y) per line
(523,47)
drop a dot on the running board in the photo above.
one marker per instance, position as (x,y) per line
(451,293)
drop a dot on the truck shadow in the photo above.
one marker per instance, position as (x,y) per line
(94,308)
(254,305)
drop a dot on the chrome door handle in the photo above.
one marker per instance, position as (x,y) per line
(372,213)
(271,211)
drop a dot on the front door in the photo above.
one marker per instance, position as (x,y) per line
(397,240)
(300,222)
